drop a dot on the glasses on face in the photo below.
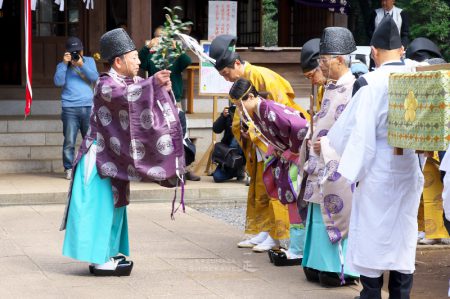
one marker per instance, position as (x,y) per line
(310,74)
(324,59)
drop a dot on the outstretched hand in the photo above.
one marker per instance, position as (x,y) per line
(163,79)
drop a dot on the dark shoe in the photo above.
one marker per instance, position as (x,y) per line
(192,177)
(280,259)
(118,257)
(240,175)
(311,274)
(329,279)
(269,252)
(123,269)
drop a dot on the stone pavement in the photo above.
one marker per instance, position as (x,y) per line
(193,256)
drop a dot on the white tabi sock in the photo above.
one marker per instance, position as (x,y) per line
(109,265)
(259,238)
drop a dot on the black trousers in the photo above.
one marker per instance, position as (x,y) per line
(399,286)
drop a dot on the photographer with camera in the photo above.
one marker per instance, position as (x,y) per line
(76,74)
(223,171)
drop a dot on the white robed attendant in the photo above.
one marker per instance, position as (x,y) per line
(383,222)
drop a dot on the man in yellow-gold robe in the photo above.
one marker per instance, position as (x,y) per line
(266,217)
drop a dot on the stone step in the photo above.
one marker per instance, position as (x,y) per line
(46,188)
(35,144)
(31,166)
(52,108)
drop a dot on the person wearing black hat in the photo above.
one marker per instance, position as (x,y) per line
(266,217)
(422,49)
(383,223)
(328,194)
(75,74)
(399,16)
(311,70)
(135,134)
(310,66)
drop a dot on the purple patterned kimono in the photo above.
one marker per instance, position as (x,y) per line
(283,129)
(324,185)
(138,134)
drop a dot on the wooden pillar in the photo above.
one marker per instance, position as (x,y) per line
(96,26)
(140,21)
(284,23)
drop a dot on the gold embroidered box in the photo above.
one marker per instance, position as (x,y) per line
(419,110)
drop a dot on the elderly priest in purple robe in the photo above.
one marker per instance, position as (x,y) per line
(135,135)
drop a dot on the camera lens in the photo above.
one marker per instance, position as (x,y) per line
(75,56)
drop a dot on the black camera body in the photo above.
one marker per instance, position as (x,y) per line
(75,55)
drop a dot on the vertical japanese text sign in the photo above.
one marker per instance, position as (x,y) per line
(222,18)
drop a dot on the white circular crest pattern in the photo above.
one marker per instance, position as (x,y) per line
(114,144)
(289,196)
(133,174)
(124,119)
(277,172)
(164,145)
(157,172)
(109,169)
(104,115)
(137,149)
(134,92)
(146,118)
(100,142)
(272,116)
(106,93)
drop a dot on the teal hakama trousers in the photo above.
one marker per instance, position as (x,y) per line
(319,253)
(95,230)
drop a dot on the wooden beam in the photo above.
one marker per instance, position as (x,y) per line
(284,23)
(140,21)
(96,22)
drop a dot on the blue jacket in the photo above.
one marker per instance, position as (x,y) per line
(76,91)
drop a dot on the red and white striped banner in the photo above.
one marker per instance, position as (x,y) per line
(28,57)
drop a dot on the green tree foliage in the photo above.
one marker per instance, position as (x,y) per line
(170,47)
(270,23)
(430,19)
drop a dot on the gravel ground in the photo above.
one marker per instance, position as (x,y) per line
(233,214)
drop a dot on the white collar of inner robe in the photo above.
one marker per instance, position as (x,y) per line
(347,77)
(395,14)
(257,107)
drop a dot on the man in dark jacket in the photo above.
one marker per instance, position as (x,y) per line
(223,124)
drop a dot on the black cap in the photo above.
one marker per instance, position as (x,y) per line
(310,54)
(422,48)
(73,44)
(386,35)
(221,52)
(115,43)
(337,41)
